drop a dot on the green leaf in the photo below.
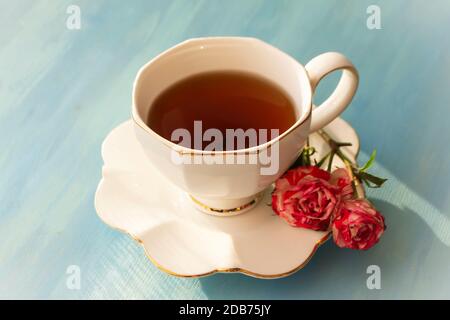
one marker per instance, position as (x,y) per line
(369,163)
(370,180)
(330,161)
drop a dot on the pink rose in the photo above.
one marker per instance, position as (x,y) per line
(357,225)
(308,196)
(342,179)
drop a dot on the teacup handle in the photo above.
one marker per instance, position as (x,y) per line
(336,103)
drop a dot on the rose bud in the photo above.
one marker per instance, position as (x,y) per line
(306,197)
(357,225)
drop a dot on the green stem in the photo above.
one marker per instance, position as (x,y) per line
(330,160)
(306,153)
(335,149)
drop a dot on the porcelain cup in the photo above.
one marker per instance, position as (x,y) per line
(227,187)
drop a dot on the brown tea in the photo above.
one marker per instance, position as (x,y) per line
(221,100)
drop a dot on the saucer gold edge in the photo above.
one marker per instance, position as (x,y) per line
(219,270)
(235,269)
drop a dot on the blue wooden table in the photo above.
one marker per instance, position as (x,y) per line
(62,89)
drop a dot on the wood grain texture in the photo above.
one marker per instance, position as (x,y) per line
(62,91)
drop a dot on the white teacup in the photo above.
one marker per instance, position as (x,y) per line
(231,188)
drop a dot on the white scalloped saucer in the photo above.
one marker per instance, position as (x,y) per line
(135,198)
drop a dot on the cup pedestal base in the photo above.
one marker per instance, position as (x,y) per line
(225,207)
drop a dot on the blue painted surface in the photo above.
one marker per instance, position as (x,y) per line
(62,91)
